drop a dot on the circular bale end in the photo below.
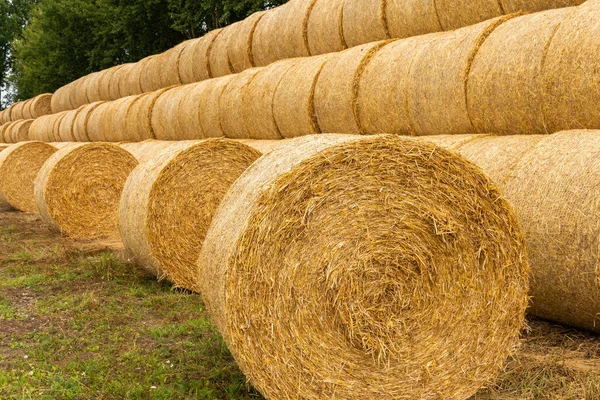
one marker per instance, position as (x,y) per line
(78,189)
(330,274)
(169,201)
(19,166)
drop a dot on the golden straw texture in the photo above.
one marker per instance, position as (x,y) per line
(336,90)
(138,125)
(293,103)
(194,64)
(78,189)
(324,28)
(19,132)
(19,166)
(364,22)
(165,113)
(218,57)
(41,105)
(168,204)
(330,276)
(407,18)
(80,124)
(230,105)
(209,106)
(240,44)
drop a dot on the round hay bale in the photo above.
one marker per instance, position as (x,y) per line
(65,128)
(324,30)
(104,82)
(41,105)
(93,87)
(188,113)
(293,102)
(258,101)
(184,182)
(61,99)
(437,81)
(17,111)
(570,77)
(210,105)
(80,91)
(5,134)
(41,128)
(19,166)
(193,64)
(511,6)
(20,131)
(230,104)
(329,275)
(130,79)
(138,124)
(116,81)
(266,34)
(55,135)
(162,70)
(218,56)
(364,22)
(407,18)
(453,16)
(381,102)
(240,43)
(27,110)
(336,89)
(114,119)
(504,94)
(78,189)
(80,124)
(165,115)
(97,122)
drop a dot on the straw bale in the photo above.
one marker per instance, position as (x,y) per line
(26,109)
(293,103)
(138,124)
(92,87)
(230,104)
(454,14)
(2,114)
(324,28)
(381,102)
(168,204)
(80,123)
(20,131)
(188,113)
(130,79)
(336,90)
(264,45)
(218,57)
(97,121)
(258,101)
(407,18)
(6,131)
(19,165)
(17,111)
(263,146)
(78,189)
(329,275)
(65,128)
(511,6)
(294,37)
(194,64)
(114,119)
(104,82)
(163,70)
(438,77)
(80,90)
(60,99)
(116,82)
(240,43)
(56,126)
(364,22)
(165,115)
(146,150)
(7,117)
(504,94)
(41,105)
(571,76)
(40,129)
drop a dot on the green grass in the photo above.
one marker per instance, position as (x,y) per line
(75,326)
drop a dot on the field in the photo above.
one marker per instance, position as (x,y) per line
(77,321)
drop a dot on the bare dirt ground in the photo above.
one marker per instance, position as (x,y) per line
(77,321)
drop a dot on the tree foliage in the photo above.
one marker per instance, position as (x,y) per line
(54,42)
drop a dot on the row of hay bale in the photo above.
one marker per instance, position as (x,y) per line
(367,285)
(299,28)
(510,75)
(15,131)
(320,254)
(28,109)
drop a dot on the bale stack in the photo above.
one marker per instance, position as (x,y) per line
(364,22)
(239,50)
(18,131)
(80,130)
(330,276)
(5,131)
(194,65)
(19,166)
(40,105)
(169,200)
(78,189)
(162,70)
(552,182)
(230,105)
(324,28)
(166,112)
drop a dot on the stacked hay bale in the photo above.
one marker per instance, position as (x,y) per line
(28,109)
(78,189)
(552,182)
(169,200)
(80,123)
(18,131)
(323,267)
(19,166)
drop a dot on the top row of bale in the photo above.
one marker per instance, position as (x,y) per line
(28,109)
(299,28)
